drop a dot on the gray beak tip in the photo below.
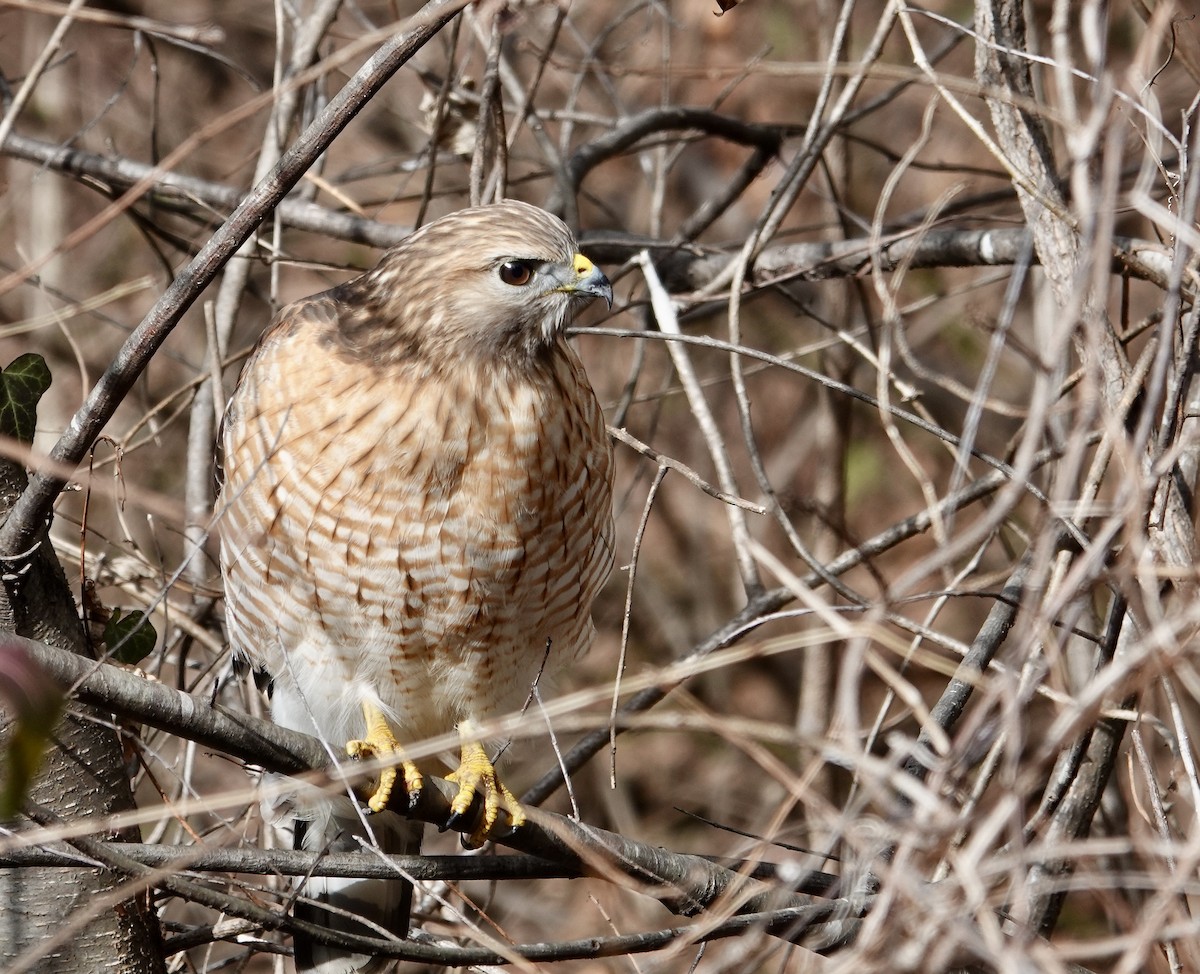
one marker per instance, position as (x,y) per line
(596,284)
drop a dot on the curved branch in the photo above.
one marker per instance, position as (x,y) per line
(33,507)
(656,121)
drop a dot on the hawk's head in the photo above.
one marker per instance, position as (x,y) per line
(490,280)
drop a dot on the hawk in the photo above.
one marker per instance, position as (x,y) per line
(416,518)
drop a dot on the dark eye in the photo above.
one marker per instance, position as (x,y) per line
(516,272)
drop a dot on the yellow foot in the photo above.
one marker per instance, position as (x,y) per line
(475,775)
(380,742)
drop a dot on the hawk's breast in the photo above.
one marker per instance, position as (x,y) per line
(417,530)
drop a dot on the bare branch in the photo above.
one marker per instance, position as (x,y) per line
(35,503)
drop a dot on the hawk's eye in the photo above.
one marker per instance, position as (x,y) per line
(516,272)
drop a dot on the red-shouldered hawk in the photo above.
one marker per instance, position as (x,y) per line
(417,503)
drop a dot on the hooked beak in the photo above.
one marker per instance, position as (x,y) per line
(585,278)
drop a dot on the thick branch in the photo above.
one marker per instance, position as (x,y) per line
(81,777)
(1022,135)
(174,187)
(250,860)
(691,269)
(287,862)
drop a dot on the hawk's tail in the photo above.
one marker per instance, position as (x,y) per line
(384,903)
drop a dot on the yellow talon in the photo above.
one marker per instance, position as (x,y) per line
(476,774)
(380,742)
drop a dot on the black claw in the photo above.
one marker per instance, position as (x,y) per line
(506,831)
(461,821)
(466,822)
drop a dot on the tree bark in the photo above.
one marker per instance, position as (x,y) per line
(67,921)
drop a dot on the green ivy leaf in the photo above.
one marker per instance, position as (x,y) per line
(22,384)
(129,638)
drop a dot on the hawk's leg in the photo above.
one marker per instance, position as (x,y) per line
(380,742)
(475,775)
